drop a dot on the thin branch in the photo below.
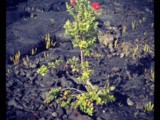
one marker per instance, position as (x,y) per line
(73,89)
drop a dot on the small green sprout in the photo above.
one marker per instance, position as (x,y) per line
(46,55)
(42,70)
(146,48)
(95,54)
(26,61)
(74,62)
(116,43)
(133,25)
(34,50)
(135,51)
(125,48)
(148,107)
(15,59)
(55,63)
(53,94)
(49,43)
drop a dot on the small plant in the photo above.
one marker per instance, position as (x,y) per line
(15,59)
(148,107)
(74,63)
(55,63)
(34,50)
(84,100)
(125,48)
(116,43)
(135,51)
(82,31)
(105,39)
(102,40)
(124,29)
(95,54)
(146,48)
(152,74)
(48,41)
(46,55)
(86,72)
(42,70)
(133,25)
(26,61)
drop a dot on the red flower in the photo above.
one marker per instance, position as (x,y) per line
(95,6)
(73,2)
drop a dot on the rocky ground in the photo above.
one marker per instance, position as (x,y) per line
(132,75)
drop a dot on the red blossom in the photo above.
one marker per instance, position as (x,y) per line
(95,6)
(73,2)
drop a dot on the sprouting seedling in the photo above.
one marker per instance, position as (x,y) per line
(125,47)
(42,70)
(34,50)
(15,59)
(133,25)
(46,55)
(55,63)
(95,54)
(146,48)
(116,43)
(124,29)
(47,41)
(135,51)
(26,61)
(103,39)
(148,107)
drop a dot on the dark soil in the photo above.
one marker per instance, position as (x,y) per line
(28,21)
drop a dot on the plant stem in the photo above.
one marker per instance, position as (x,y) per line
(73,89)
(82,58)
(90,84)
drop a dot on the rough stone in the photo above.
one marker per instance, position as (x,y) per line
(59,111)
(115,69)
(54,114)
(139,106)
(130,102)
(15,104)
(42,118)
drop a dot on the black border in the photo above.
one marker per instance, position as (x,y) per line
(157,60)
(2,60)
